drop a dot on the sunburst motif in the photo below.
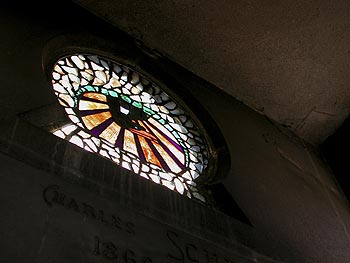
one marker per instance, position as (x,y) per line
(123,116)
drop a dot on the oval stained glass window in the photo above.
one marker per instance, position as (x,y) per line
(122,115)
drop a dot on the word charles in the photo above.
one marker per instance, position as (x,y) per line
(53,195)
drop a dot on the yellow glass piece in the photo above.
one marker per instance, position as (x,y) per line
(163,129)
(96,96)
(148,153)
(114,83)
(129,142)
(169,161)
(91,121)
(111,133)
(179,155)
(90,105)
(66,99)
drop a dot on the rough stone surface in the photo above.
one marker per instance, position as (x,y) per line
(288,60)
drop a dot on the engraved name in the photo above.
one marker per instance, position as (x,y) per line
(183,251)
(53,195)
(117,253)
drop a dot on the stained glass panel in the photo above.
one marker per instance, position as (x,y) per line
(124,116)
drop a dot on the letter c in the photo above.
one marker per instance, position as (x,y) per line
(45,193)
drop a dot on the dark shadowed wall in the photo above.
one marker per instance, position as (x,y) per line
(61,204)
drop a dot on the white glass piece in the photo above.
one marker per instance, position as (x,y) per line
(126,165)
(56,76)
(124,76)
(96,67)
(168,184)
(101,75)
(145,168)
(87,148)
(135,98)
(166,176)
(104,153)
(57,87)
(77,141)
(91,144)
(69,111)
(84,134)
(74,78)
(114,154)
(135,90)
(154,107)
(70,70)
(124,111)
(87,75)
(179,127)
(68,129)
(126,91)
(154,178)
(65,82)
(139,86)
(146,98)
(74,118)
(58,69)
(68,63)
(179,186)
(135,168)
(194,174)
(96,141)
(193,158)
(163,109)
(78,62)
(126,158)
(144,175)
(187,175)
(67,99)
(60,134)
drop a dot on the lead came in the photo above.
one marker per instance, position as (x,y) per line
(128,119)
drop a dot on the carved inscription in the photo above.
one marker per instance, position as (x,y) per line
(183,251)
(177,249)
(53,195)
(117,253)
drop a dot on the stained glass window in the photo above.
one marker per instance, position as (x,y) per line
(125,117)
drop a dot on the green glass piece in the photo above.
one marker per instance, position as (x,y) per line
(148,111)
(126,98)
(137,104)
(89,88)
(113,93)
(104,91)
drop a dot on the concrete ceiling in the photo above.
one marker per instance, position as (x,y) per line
(290,60)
